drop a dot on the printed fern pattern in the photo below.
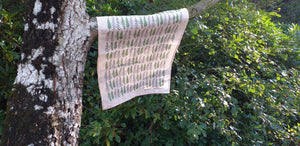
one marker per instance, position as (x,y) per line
(135,54)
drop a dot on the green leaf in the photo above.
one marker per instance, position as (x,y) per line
(108,24)
(117,138)
(194,30)
(156,117)
(274,14)
(123,125)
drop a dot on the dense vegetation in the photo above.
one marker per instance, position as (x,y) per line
(11,29)
(235,78)
(290,9)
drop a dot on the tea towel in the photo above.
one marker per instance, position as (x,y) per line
(135,54)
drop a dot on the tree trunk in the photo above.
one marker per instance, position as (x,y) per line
(45,104)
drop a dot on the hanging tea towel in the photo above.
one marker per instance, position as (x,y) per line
(135,54)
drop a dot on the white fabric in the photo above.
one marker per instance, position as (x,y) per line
(135,54)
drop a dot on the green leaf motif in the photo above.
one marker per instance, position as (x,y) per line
(131,43)
(127,22)
(134,35)
(174,19)
(111,45)
(157,20)
(141,22)
(110,85)
(123,23)
(108,24)
(128,43)
(154,31)
(112,95)
(122,91)
(114,84)
(138,34)
(109,97)
(145,22)
(121,35)
(116,43)
(161,19)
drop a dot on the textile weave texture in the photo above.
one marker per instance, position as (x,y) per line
(135,54)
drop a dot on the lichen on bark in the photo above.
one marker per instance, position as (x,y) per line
(45,105)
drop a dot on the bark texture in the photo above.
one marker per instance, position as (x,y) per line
(201,7)
(45,106)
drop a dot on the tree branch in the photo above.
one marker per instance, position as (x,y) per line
(93,29)
(200,7)
(194,11)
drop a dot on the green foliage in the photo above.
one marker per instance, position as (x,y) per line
(11,28)
(235,80)
(244,62)
(2,117)
(288,9)
(133,7)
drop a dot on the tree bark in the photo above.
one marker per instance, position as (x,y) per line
(45,105)
(201,7)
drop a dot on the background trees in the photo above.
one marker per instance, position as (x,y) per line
(235,79)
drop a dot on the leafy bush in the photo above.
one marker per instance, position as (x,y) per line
(11,29)
(289,9)
(235,80)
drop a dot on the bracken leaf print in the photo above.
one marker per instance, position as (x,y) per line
(108,24)
(138,55)
(127,22)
